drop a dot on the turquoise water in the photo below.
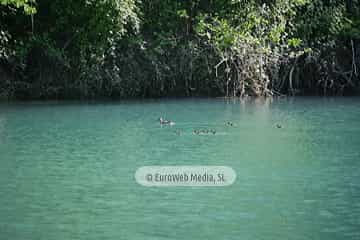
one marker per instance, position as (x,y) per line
(67,170)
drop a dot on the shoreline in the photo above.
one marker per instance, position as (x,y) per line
(173,99)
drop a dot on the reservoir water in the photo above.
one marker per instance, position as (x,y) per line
(67,169)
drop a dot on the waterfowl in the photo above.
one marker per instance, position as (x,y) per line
(230,123)
(165,122)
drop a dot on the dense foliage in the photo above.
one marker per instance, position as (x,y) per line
(152,48)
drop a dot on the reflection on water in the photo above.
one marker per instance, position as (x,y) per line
(67,169)
(2,127)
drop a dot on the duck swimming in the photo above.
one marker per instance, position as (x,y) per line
(204,131)
(165,122)
(230,124)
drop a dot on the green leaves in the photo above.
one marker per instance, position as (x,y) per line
(182,13)
(294,42)
(158,36)
(27,5)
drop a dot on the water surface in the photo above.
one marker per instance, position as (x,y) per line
(67,169)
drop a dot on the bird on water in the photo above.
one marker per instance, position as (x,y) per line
(165,122)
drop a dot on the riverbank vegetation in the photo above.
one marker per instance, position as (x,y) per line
(89,49)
